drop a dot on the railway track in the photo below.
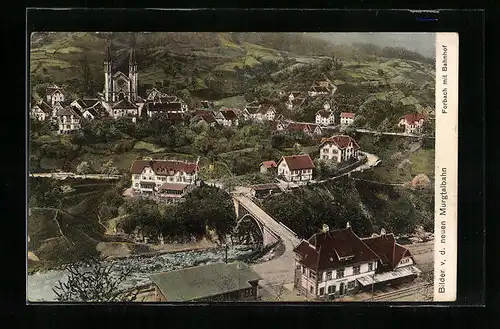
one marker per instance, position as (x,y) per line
(401,293)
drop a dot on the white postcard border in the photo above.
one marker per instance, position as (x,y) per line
(446,168)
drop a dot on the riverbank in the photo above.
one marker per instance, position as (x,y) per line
(120,250)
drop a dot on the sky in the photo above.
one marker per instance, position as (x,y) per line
(423,43)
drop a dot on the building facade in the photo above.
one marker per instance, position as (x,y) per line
(412,123)
(338,149)
(335,263)
(346,118)
(148,176)
(296,168)
(68,120)
(325,117)
(120,79)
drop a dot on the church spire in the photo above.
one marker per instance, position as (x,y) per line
(107,58)
(132,59)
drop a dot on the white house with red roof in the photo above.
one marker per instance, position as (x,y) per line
(412,122)
(261,112)
(149,176)
(338,262)
(346,118)
(125,108)
(338,148)
(296,168)
(266,166)
(227,117)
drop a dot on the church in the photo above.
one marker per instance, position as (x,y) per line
(121,86)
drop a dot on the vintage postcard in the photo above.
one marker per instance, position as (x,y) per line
(264,167)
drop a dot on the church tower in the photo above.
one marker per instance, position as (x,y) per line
(108,85)
(132,74)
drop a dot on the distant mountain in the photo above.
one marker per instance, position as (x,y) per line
(423,43)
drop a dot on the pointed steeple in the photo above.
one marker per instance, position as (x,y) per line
(132,59)
(107,57)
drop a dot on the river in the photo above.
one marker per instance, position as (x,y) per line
(40,284)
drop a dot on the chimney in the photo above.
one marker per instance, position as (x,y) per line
(382,231)
(348,225)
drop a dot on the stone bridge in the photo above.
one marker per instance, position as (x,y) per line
(278,270)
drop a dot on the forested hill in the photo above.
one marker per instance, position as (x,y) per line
(208,65)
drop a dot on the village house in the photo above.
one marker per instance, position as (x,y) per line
(218,282)
(293,95)
(125,108)
(83,104)
(157,108)
(54,94)
(266,111)
(338,148)
(207,117)
(148,176)
(226,118)
(267,166)
(280,125)
(295,103)
(174,192)
(296,168)
(321,88)
(41,111)
(346,118)
(304,127)
(252,107)
(68,119)
(262,190)
(412,123)
(90,113)
(334,263)
(325,117)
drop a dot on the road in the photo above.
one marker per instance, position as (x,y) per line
(368,131)
(64,175)
(279,270)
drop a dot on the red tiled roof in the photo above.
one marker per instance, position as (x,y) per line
(207,116)
(387,249)
(347,115)
(298,162)
(163,167)
(269,164)
(415,117)
(174,116)
(341,141)
(334,249)
(68,110)
(174,186)
(298,101)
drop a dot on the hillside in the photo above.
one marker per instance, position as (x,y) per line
(219,65)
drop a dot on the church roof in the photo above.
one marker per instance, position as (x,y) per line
(124,104)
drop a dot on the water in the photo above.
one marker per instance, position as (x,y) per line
(40,284)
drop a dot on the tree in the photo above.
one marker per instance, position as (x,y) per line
(93,280)
(83,168)
(109,168)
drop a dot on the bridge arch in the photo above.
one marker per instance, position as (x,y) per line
(249,229)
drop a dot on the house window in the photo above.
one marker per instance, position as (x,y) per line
(303,270)
(136,184)
(136,176)
(312,274)
(356,269)
(297,267)
(329,275)
(311,289)
(321,291)
(326,150)
(340,273)
(350,285)
(370,266)
(331,289)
